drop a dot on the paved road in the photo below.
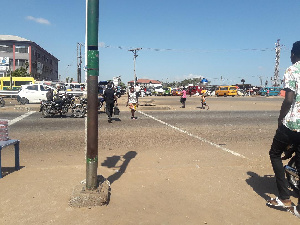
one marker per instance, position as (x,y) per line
(183,166)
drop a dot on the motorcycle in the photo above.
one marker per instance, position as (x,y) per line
(79,110)
(291,172)
(59,106)
(101,101)
(2,102)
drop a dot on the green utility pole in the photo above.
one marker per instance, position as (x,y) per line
(92,94)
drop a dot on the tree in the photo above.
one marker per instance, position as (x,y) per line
(21,72)
(122,85)
(243,81)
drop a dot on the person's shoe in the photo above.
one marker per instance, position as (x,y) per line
(109,120)
(294,210)
(276,202)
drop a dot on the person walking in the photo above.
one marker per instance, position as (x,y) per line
(132,102)
(203,102)
(183,98)
(110,99)
(288,132)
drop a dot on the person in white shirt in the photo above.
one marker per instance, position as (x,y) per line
(132,102)
(288,132)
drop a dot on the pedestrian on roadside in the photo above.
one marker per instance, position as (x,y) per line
(183,98)
(203,102)
(268,93)
(132,102)
(110,99)
(288,132)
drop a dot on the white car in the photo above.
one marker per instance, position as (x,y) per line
(159,90)
(33,93)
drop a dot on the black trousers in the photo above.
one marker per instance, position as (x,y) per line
(281,140)
(109,108)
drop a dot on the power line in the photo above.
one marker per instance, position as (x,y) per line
(193,50)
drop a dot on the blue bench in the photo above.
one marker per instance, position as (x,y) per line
(4,144)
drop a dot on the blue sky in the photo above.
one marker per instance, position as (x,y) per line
(180,39)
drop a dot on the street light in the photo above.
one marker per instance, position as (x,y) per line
(134,58)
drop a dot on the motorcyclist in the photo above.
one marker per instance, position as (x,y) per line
(56,92)
(49,94)
(56,96)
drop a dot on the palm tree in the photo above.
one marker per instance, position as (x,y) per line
(243,81)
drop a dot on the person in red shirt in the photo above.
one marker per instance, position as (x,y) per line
(183,98)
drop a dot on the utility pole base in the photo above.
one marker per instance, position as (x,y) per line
(81,197)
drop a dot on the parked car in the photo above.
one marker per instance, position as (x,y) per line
(192,90)
(176,92)
(159,90)
(273,91)
(33,93)
(148,92)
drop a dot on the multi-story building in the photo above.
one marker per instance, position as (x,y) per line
(17,52)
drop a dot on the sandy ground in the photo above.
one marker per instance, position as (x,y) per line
(157,174)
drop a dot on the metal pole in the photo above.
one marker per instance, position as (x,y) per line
(134,81)
(92,94)
(79,61)
(134,59)
(277,59)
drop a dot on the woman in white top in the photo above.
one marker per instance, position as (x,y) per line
(132,102)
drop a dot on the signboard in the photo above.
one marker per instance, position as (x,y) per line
(4,61)
(3,68)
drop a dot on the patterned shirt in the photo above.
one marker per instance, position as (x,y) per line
(132,98)
(292,81)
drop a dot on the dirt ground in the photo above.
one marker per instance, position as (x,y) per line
(158,174)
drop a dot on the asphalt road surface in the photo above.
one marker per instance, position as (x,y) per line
(175,166)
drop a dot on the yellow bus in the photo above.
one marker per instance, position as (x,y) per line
(16,82)
(226,91)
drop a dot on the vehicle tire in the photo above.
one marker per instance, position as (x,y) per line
(46,112)
(2,103)
(217,95)
(293,181)
(225,95)
(100,105)
(78,112)
(24,101)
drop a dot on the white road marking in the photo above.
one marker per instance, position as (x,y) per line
(11,122)
(194,136)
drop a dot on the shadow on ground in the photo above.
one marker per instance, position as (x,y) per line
(111,162)
(264,185)
(8,170)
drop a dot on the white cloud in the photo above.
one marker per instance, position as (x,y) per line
(38,20)
(189,76)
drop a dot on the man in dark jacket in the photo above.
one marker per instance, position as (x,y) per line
(110,99)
